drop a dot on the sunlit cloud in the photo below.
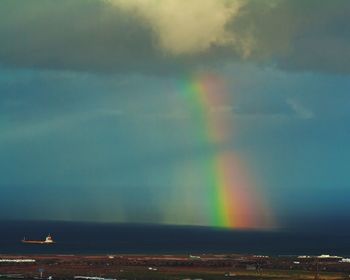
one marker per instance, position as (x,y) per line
(184,27)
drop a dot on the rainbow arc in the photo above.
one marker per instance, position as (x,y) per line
(236,203)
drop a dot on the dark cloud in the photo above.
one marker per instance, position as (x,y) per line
(321,39)
(74,35)
(98,36)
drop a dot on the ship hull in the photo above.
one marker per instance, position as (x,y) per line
(36,242)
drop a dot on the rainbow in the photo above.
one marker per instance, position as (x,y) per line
(235,203)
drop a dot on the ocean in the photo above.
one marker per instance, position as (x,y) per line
(98,238)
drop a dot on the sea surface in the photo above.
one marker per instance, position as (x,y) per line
(97,238)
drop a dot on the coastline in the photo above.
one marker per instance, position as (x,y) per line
(208,266)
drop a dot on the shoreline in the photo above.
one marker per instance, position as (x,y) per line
(136,266)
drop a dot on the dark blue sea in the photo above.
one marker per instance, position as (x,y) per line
(97,238)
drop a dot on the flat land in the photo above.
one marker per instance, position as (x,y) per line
(177,267)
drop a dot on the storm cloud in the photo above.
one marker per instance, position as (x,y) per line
(151,36)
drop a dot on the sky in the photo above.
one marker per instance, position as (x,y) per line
(231,113)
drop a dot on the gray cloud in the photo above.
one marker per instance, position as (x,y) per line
(134,35)
(319,38)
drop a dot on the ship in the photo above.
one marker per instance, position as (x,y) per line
(48,240)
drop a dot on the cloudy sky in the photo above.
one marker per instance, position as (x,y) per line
(93,125)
